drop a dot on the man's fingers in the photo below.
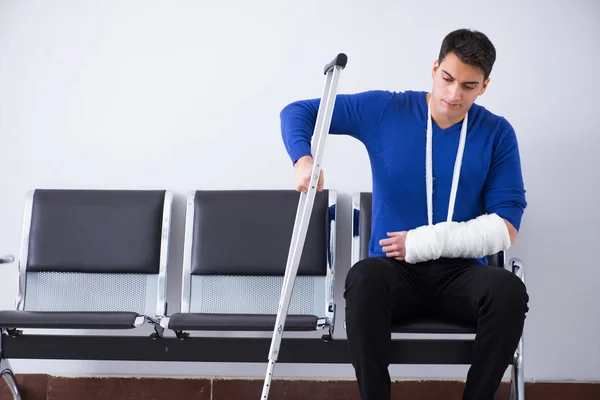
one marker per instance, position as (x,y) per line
(394,234)
(399,255)
(391,248)
(302,186)
(320,184)
(385,242)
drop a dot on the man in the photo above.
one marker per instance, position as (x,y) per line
(447,192)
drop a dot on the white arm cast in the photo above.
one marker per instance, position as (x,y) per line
(476,238)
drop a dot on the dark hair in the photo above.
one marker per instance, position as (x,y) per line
(471,47)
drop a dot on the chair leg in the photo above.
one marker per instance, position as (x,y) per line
(158,329)
(11,382)
(6,372)
(517,379)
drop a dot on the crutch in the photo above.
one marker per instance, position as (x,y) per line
(305,206)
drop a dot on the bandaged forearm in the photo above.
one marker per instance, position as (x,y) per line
(476,238)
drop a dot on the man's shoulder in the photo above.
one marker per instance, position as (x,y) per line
(404,95)
(489,120)
(385,94)
(495,126)
(380,102)
(396,102)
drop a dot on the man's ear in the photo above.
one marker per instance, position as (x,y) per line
(436,65)
(484,86)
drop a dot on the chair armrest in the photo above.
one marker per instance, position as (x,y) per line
(516,266)
(7,259)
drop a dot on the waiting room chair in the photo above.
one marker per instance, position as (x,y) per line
(90,259)
(361,235)
(235,253)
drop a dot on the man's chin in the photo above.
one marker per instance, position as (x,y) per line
(451,108)
(451,113)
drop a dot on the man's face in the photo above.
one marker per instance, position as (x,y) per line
(456,85)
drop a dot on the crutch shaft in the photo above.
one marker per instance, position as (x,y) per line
(304,211)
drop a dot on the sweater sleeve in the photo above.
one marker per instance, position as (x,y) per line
(356,115)
(504,191)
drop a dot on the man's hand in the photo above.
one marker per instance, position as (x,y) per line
(512,231)
(394,246)
(303,168)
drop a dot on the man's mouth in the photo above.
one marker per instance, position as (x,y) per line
(451,105)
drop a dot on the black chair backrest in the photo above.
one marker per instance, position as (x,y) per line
(100,231)
(366,207)
(238,232)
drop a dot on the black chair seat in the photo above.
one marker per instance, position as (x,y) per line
(67,320)
(239,322)
(433,325)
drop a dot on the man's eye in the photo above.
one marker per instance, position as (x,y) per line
(448,79)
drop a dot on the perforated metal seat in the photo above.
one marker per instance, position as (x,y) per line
(92,259)
(236,248)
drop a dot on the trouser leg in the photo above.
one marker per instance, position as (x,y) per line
(497,300)
(377,290)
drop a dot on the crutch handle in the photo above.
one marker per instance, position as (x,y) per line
(7,259)
(339,61)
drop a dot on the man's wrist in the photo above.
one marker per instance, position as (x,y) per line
(302,160)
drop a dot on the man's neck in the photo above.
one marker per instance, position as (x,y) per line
(440,120)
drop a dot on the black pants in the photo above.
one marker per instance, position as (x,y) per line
(381,289)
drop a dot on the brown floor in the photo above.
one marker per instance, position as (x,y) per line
(42,387)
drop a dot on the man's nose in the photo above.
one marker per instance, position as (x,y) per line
(454,92)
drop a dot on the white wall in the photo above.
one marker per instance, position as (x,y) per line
(185,95)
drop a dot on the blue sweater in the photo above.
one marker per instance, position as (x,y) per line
(392,126)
